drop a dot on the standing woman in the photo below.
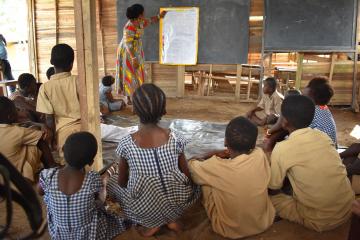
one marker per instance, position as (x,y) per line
(130,55)
(4,59)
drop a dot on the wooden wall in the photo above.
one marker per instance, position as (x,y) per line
(54,23)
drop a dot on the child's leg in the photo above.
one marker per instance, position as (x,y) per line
(46,156)
(354,232)
(352,151)
(116,106)
(286,208)
(257,121)
(147,232)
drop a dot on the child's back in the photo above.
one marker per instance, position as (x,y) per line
(77,214)
(153,185)
(235,190)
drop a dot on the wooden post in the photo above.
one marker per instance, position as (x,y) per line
(181,81)
(209,80)
(238,81)
(148,73)
(355,103)
(56,8)
(300,58)
(86,44)
(249,85)
(332,65)
(32,39)
(99,19)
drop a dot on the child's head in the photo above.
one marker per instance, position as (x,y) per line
(241,135)
(270,86)
(27,84)
(292,92)
(8,111)
(149,103)
(297,112)
(50,72)
(62,57)
(135,11)
(80,149)
(108,80)
(319,90)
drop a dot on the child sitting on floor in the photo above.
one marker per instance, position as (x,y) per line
(351,160)
(25,148)
(276,133)
(322,195)
(320,91)
(107,101)
(25,99)
(152,159)
(235,194)
(75,198)
(268,109)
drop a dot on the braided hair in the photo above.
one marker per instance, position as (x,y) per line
(149,103)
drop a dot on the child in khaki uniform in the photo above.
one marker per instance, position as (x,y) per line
(322,195)
(268,109)
(23,147)
(58,98)
(235,194)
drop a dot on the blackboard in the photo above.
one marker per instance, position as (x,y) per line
(293,25)
(223,30)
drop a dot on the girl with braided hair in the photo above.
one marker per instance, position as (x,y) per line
(152,181)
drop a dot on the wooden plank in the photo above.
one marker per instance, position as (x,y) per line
(300,58)
(32,39)
(149,73)
(86,42)
(332,65)
(56,9)
(238,81)
(209,82)
(101,33)
(249,86)
(180,81)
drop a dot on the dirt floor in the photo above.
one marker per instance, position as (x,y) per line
(196,224)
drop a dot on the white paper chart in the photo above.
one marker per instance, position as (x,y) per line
(179,36)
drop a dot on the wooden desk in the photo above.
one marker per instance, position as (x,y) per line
(4,84)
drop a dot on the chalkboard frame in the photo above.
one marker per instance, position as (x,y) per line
(318,49)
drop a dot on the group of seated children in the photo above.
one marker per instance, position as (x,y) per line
(154,184)
(304,182)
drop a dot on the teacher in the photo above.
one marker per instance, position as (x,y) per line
(130,55)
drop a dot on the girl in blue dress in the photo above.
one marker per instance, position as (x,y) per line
(152,182)
(74,198)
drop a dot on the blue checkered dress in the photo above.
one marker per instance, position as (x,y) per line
(157,192)
(324,121)
(78,216)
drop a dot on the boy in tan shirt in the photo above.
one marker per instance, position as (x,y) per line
(25,148)
(58,98)
(322,194)
(268,109)
(235,194)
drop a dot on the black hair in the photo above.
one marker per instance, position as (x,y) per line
(298,110)
(80,149)
(241,134)
(320,90)
(134,11)
(108,80)
(271,82)
(50,72)
(62,56)
(25,80)
(8,111)
(292,92)
(149,103)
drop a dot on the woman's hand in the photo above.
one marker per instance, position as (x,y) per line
(162,14)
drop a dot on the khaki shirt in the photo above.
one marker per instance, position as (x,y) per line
(59,97)
(271,104)
(14,141)
(239,196)
(318,177)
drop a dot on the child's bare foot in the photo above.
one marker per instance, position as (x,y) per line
(175,226)
(147,232)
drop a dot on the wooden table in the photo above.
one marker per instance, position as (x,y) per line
(4,84)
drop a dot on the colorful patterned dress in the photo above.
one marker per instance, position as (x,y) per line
(129,78)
